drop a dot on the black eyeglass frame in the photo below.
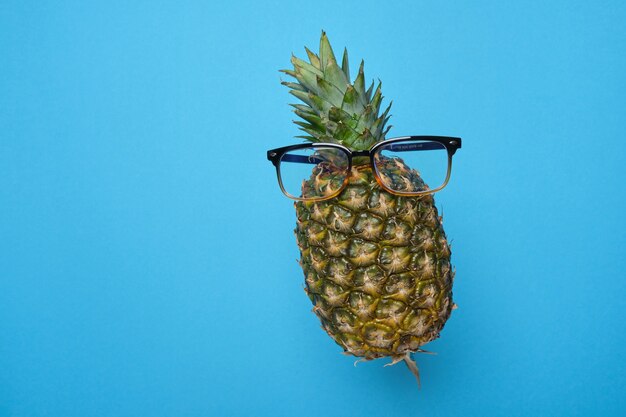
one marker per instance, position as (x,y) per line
(450,143)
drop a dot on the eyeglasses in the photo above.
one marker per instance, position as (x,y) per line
(406,166)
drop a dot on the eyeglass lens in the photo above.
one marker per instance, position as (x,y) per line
(314,172)
(412,166)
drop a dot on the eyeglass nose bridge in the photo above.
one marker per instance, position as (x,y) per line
(370,163)
(360,153)
(357,157)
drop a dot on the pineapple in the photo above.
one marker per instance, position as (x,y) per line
(376,265)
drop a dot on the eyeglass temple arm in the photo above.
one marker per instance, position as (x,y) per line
(406,147)
(300,159)
(394,148)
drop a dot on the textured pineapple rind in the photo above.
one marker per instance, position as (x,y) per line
(377,268)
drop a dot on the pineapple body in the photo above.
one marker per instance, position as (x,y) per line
(376,265)
(377,268)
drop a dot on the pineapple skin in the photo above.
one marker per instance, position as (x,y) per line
(377,268)
(376,265)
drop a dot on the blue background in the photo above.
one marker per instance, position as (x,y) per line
(147,257)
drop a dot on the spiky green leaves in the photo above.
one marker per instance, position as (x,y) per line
(336,110)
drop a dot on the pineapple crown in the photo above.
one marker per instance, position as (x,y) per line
(336,110)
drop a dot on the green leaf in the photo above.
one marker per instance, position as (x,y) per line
(379,124)
(337,114)
(368,93)
(294,86)
(311,130)
(303,108)
(380,132)
(345,65)
(300,64)
(304,97)
(359,86)
(315,61)
(351,103)
(329,92)
(364,141)
(304,125)
(307,79)
(344,125)
(319,104)
(344,133)
(366,118)
(386,112)
(314,120)
(335,76)
(327,55)
(377,99)
(288,72)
